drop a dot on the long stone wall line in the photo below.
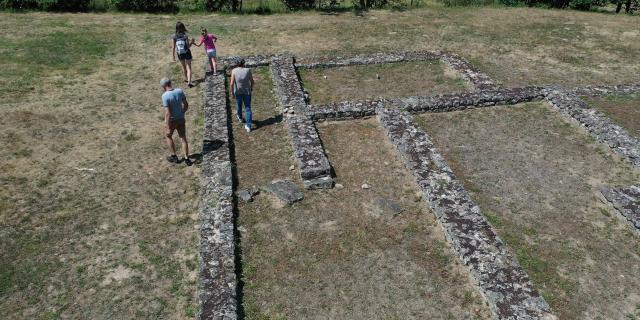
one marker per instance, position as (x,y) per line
(595,91)
(367,58)
(314,166)
(498,275)
(218,283)
(250,61)
(596,124)
(478,79)
(626,201)
(347,110)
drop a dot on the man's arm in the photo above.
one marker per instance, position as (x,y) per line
(185,103)
(233,84)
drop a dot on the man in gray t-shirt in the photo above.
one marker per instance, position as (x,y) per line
(174,103)
(241,87)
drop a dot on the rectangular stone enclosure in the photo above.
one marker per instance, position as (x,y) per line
(497,274)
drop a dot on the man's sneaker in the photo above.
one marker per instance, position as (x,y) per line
(247,127)
(172,159)
(188,161)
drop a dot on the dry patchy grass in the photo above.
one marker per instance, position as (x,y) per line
(80,91)
(334,254)
(536,178)
(622,109)
(395,80)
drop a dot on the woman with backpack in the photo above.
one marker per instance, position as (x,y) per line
(181,46)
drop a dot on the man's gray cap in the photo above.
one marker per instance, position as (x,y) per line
(165,82)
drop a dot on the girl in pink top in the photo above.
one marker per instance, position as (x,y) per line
(209,41)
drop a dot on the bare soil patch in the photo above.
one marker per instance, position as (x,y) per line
(336,254)
(536,178)
(382,80)
(622,109)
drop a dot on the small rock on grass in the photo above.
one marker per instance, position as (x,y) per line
(292,167)
(339,186)
(246,195)
(365,186)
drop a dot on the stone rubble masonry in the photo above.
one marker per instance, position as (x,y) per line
(627,201)
(250,61)
(288,90)
(596,123)
(314,166)
(362,59)
(505,285)
(595,91)
(218,283)
(347,110)
(479,80)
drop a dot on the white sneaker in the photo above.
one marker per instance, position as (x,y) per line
(246,127)
(239,118)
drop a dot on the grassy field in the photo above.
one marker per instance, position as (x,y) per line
(336,254)
(537,180)
(95,224)
(372,82)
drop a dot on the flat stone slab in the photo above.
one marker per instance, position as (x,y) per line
(597,124)
(626,201)
(285,190)
(501,280)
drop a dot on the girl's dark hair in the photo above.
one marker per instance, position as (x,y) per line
(180,28)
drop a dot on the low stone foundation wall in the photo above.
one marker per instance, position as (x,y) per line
(596,123)
(466,100)
(314,166)
(499,276)
(479,80)
(288,90)
(595,91)
(362,59)
(218,283)
(626,201)
(347,110)
(250,61)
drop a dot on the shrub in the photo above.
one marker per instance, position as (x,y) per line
(53,5)
(585,4)
(467,3)
(146,5)
(299,4)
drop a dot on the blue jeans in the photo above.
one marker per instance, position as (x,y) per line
(246,99)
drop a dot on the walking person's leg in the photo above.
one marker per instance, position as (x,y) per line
(239,107)
(247,109)
(214,65)
(168,138)
(183,63)
(182,133)
(188,65)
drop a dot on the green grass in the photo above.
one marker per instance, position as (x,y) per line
(68,53)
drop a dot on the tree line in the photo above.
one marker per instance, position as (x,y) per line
(629,6)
